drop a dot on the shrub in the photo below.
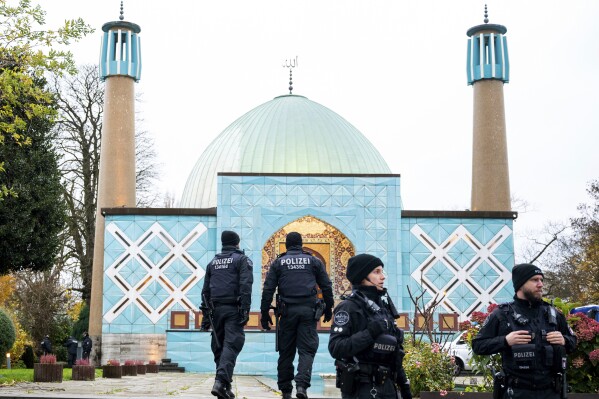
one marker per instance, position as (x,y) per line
(48,359)
(481,364)
(583,362)
(139,362)
(8,334)
(130,363)
(152,362)
(113,362)
(28,357)
(82,362)
(428,367)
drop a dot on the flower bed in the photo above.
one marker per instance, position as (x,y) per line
(112,369)
(129,368)
(47,370)
(152,367)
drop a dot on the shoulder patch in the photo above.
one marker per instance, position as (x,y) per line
(341,318)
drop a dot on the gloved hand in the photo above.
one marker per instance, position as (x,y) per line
(377,327)
(405,391)
(245,316)
(266,321)
(205,326)
(328,314)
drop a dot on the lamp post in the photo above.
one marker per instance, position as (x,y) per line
(8,361)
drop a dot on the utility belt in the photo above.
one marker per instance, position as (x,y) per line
(515,382)
(225,301)
(283,303)
(350,374)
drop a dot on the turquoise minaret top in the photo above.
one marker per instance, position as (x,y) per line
(120,53)
(487,52)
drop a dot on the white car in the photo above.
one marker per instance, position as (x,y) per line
(458,348)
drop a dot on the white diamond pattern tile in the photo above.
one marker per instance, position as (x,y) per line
(465,277)
(155,292)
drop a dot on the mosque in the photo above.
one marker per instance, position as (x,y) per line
(263,177)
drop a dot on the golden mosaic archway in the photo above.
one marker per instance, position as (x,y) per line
(325,242)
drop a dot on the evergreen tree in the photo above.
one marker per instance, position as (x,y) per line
(31,221)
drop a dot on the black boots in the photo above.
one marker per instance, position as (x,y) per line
(219,389)
(300,393)
(230,392)
(286,395)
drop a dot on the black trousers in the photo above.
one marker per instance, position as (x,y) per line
(71,359)
(297,332)
(367,390)
(231,337)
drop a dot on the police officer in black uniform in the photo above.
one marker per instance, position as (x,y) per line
(366,343)
(226,297)
(296,274)
(86,345)
(533,338)
(71,346)
(46,345)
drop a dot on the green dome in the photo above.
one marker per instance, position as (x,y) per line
(289,134)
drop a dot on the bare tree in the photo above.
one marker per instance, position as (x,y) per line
(80,102)
(39,299)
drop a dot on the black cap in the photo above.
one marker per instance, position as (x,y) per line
(293,239)
(229,238)
(360,266)
(522,273)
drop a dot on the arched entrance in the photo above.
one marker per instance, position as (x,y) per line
(324,241)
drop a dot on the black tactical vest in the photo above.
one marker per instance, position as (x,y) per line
(538,356)
(297,278)
(224,278)
(383,351)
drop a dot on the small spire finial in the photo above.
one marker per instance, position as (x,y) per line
(290,81)
(486,15)
(122,16)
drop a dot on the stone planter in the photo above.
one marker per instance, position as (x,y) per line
(129,370)
(109,371)
(47,372)
(151,368)
(84,373)
(141,369)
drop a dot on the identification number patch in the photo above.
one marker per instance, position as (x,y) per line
(341,318)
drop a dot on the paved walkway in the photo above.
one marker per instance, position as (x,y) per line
(168,385)
(161,385)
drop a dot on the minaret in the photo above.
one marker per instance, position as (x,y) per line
(120,68)
(488,69)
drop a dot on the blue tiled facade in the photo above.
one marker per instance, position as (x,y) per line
(155,264)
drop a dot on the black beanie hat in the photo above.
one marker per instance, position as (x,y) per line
(229,238)
(522,273)
(360,266)
(293,239)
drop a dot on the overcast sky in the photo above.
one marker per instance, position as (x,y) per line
(394,69)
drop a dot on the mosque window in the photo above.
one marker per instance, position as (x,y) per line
(119,50)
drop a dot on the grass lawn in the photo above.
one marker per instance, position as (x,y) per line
(9,377)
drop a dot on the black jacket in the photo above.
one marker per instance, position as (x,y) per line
(350,336)
(229,278)
(296,274)
(87,344)
(492,338)
(71,346)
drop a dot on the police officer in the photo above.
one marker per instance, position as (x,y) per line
(533,339)
(71,346)
(86,345)
(366,343)
(226,297)
(296,274)
(46,345)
